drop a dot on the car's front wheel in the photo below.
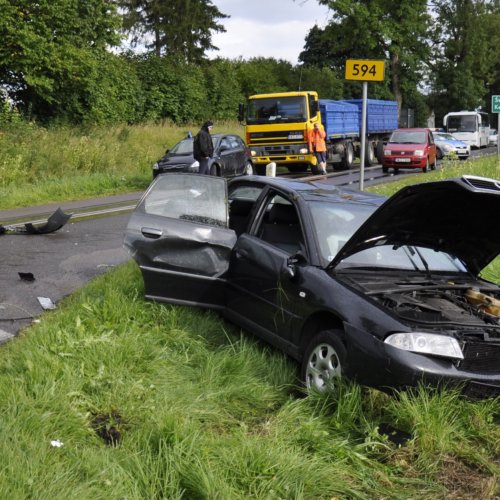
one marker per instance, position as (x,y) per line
(214,170)
(324,361)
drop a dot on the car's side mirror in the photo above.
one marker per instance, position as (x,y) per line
(294,260)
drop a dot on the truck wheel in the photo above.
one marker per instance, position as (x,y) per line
(369,153)
(380,151)
(348,158)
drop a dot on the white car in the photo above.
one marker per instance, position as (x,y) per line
(493,136)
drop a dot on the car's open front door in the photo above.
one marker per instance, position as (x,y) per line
(178,234)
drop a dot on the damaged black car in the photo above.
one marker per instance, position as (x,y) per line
(384,292)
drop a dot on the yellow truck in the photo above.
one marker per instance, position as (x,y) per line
(277,127)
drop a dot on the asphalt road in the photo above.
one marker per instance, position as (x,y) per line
(60,263)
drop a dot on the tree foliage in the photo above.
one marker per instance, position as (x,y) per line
(47,52)
(465,59)
(180,28)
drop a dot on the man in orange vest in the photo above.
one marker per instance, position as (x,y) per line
(318,146)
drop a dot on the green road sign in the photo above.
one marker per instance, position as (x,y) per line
(495,103)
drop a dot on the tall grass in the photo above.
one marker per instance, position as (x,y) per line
(39,165)
(155,401)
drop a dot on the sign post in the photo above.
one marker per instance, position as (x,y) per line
(364,70)
(495,108)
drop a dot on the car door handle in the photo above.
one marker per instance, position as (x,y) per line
(149,232)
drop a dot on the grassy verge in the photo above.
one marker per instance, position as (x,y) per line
(153,401)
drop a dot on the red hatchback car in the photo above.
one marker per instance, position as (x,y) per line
(410,148)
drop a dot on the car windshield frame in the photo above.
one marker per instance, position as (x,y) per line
(408,137)
(185,146)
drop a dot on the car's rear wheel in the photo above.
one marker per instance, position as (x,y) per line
(248,168)
(324,361)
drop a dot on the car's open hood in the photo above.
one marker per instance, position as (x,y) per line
(458,216)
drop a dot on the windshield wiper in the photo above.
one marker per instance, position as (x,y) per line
(424,262)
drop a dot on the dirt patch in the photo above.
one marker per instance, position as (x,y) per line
(465,482)
(109,427)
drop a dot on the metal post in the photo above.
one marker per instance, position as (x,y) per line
(498,142)
(363,137)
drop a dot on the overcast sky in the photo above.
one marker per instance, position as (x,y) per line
(267,28)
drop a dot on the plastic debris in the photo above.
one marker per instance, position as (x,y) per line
(46,303)
(54,222)
(56,443)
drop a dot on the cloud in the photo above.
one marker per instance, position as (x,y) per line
(266,28)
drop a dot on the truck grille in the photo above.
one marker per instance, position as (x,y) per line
(477,390)
(481,357)
(278,137)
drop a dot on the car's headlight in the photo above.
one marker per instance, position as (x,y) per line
(387,152)
(195,166)
(253,153)
(446,147)
(426,343)
(303,151)
(419,152)
(156,166)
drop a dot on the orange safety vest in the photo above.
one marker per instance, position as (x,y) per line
(317,140)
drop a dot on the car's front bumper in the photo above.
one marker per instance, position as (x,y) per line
(391,368)
(405,161)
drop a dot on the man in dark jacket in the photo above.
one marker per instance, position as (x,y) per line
(203,148)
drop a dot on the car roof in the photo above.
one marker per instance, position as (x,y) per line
(415,129)
(311,190)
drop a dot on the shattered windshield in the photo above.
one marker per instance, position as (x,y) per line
(188,197)
(279,109)
(335,224)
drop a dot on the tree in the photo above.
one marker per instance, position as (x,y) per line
(465,58)
(378,29)
(49,52)
(180,28)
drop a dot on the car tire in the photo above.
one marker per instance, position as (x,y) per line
(323,361)
(248,169)
(385,169)
(426,168)
(439,154)
(214,170)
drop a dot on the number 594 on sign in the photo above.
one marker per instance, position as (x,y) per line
(364,69)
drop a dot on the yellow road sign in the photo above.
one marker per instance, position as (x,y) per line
(364,69)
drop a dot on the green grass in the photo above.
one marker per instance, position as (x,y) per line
(201,410)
